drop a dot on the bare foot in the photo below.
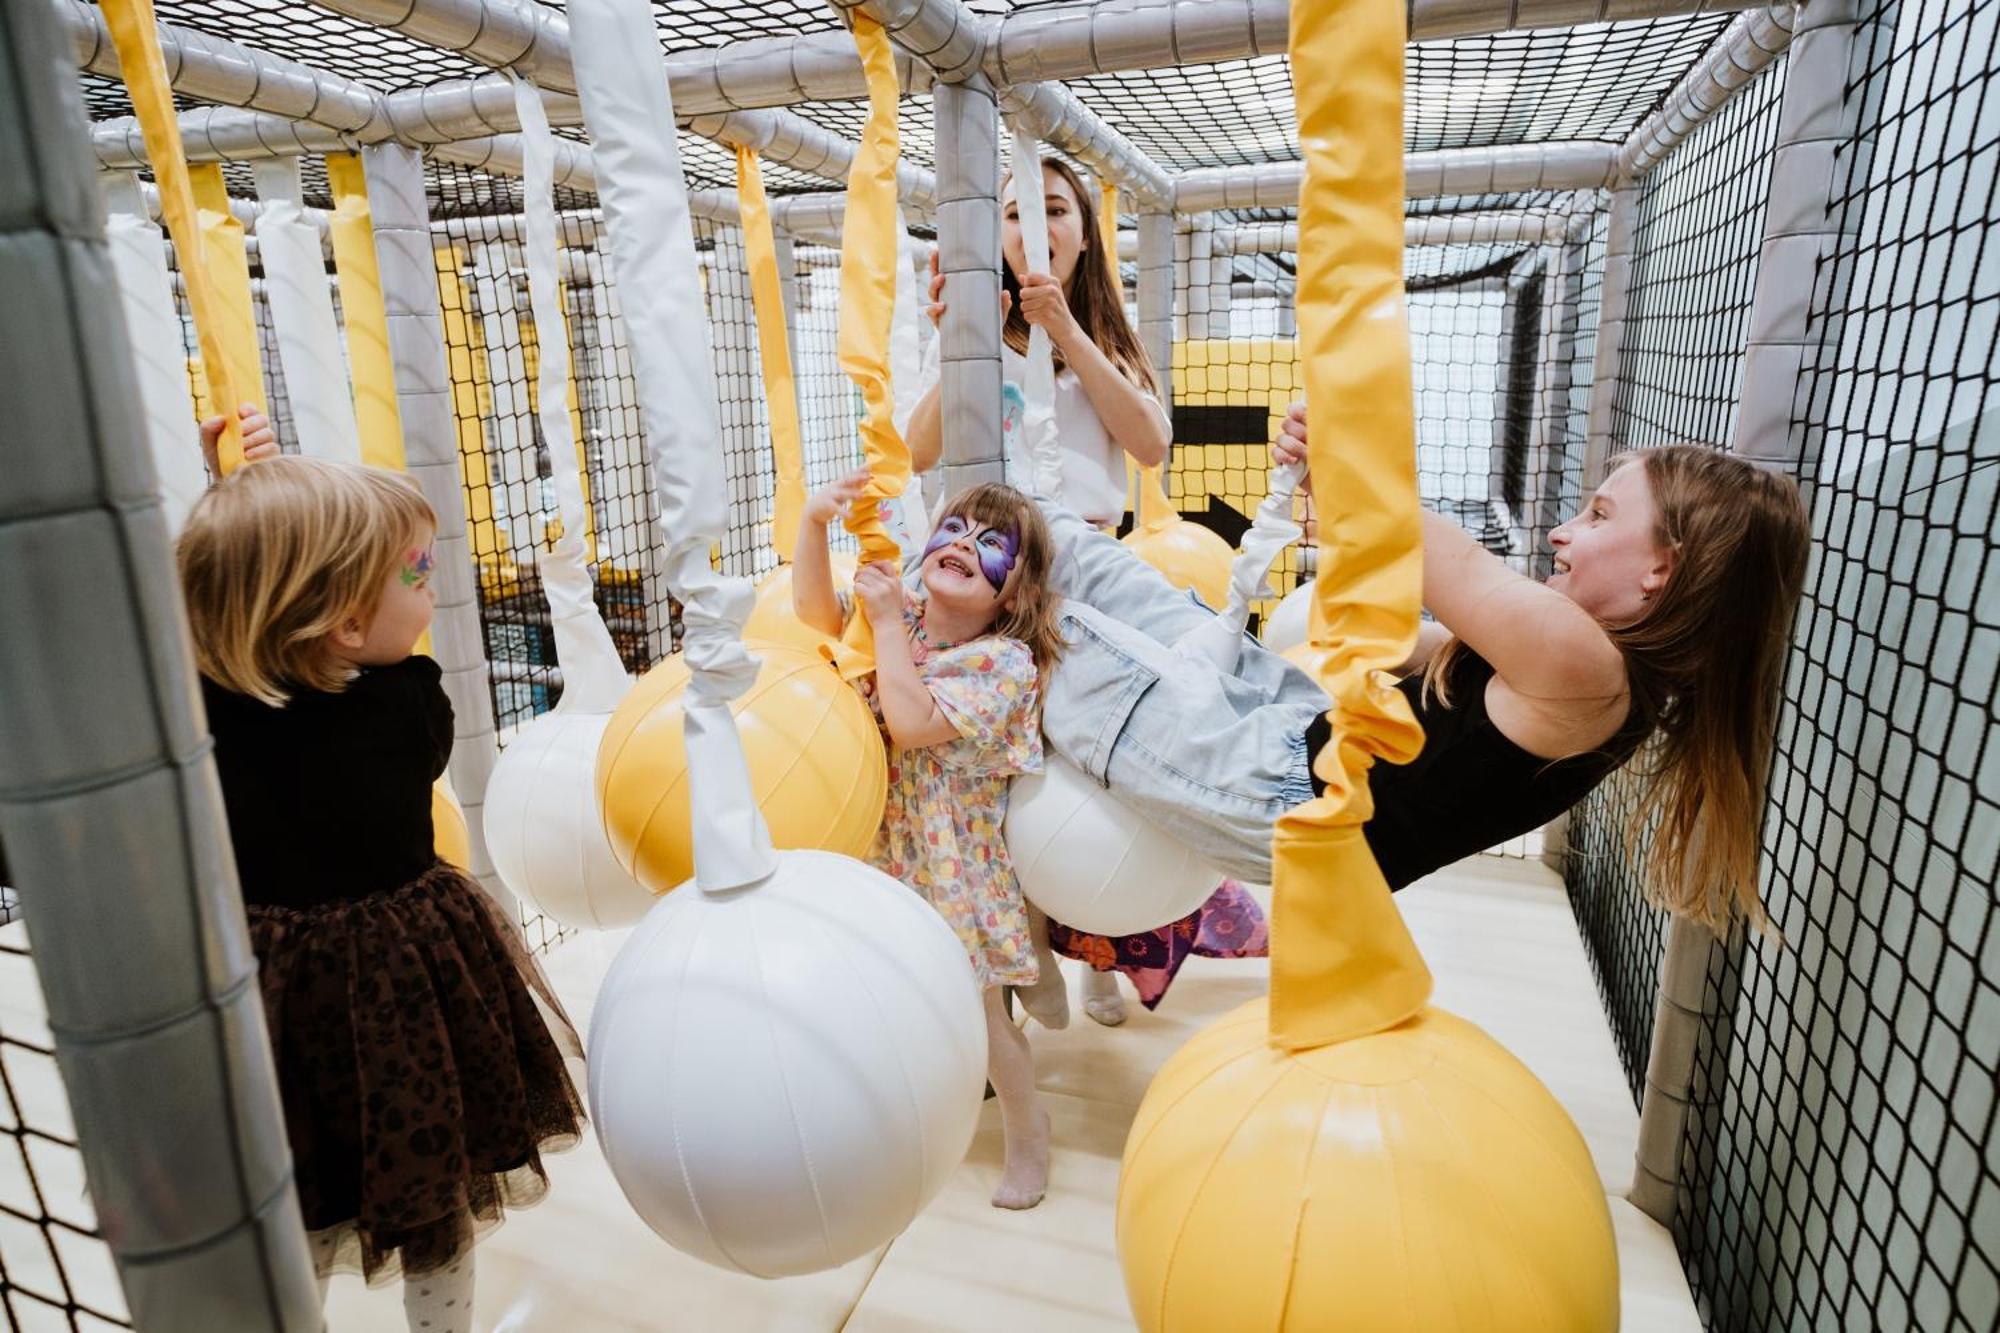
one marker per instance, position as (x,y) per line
(1025,1178)
(1101,999)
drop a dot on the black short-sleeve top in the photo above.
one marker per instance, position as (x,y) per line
(329,797)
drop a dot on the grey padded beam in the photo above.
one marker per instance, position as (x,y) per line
(110,806)
(1495,227)
(946,36)
(403,249)
(1507,170)
(968,224)
(1749,47)
(1053,114)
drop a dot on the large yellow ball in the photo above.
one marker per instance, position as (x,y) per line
(450,837)
(1417,1179)
(817,764)
(1190,555)
(772,620)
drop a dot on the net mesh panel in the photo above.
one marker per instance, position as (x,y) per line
(1694,266)
(55,1271)
(1840,1167)
(1588,83)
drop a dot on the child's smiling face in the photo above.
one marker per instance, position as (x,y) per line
(966,564)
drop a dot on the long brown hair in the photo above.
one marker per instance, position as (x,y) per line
(276,556)
(1705,666)
(1093,298)
(1028,602)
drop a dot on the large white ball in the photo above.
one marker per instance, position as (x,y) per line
(1089,861)
(1290,620)
(783,1076)
(545,832)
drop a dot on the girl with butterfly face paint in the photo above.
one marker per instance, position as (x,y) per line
(962,640)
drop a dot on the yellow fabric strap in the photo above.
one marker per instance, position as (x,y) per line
(1342,962)
(1156,511)
(774,353)
(471,404)
(868,259)
(226,261)
(376,415)
(136,36)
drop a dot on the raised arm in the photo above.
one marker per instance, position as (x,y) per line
(1132,417)
(814,599)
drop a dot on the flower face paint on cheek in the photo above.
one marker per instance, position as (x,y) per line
(416,567)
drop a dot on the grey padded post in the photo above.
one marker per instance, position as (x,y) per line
(1156,299)
(110,808)
(1613,295)
(403,249)
(968,223)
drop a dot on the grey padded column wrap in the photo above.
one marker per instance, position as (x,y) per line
(1612,300)
(968,224)
(109,803)
(1815,123)
(1156,299)
(403,249)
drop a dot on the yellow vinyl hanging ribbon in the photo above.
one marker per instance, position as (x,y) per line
(1342,961)
(369,363)
(774,353)
(136,36)
(1107,238)
(226,261)
(868,257)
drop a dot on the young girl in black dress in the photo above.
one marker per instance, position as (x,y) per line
(420,1052)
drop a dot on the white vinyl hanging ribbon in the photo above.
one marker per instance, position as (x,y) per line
(1271,531)
(139,259)
(1038,417)
(594,679)
(308,335)
(622,81)
(906,369)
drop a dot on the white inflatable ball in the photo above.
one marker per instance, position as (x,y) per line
(544,829)
(783,1076)
(1091,862)
(1290,621)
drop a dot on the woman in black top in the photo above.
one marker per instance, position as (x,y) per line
(420,1053)
(1667,618)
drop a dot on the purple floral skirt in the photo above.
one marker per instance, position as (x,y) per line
(1229,925)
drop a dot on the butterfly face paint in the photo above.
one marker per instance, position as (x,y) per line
(998,548)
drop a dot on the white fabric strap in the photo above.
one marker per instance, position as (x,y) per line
(308,335)
(594,678)
(906,369)
(139,258)
(622,78)
(1038,419)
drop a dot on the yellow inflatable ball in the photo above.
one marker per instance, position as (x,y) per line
(450,838)
(771,619)
(817,764)
(1415,1179)
(1190,555)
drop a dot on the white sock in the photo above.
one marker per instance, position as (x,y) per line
(440,1301)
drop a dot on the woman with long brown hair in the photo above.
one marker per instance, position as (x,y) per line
(1667,618)
(1107,404)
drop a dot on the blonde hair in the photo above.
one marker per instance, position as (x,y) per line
(1028,602)
(1705,666)
(282,552)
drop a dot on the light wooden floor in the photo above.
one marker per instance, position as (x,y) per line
(1504,949)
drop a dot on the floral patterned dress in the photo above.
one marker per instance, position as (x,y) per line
(941,827)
